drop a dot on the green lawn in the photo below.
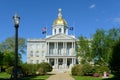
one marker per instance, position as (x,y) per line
(44,77)
(4,75)
(86,78)
(111,77)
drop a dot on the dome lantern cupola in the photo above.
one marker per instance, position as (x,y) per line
(59,25)
(60,20)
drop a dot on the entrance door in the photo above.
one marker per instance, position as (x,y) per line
(69,61)
(52,62)
(60,62)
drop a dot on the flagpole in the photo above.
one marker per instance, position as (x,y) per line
(46,30)
(74,28)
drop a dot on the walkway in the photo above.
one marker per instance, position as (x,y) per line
(60,76)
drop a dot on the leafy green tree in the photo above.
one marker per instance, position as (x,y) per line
(9,45)
(115,60)
(112,37)
(7,48)
(102,45)
(98,46)
(84,50)
(8,58)
(1,60)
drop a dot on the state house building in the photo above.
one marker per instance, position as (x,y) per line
(57,49)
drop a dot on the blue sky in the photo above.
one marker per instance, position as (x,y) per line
(84,15)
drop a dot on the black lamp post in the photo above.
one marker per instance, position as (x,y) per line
(16,19)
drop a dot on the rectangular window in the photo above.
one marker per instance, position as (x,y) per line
(38,46)
(37,53)
(43,60)
(43,45)
(67,52)
(31,61)
(43,53)
(37,61)
(31,53)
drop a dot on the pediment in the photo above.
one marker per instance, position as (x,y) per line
(60,37)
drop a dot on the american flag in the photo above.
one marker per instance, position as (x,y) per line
(44,30)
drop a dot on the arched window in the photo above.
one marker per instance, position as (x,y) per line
(55,31)
(64,30)
(59,30)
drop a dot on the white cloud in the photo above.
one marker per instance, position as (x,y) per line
(92,6)
(117,20)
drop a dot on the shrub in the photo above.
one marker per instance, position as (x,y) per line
(88,69)
(29,69)
(41,71)
(45,66)
(9,70)
(77,70)
(101,69)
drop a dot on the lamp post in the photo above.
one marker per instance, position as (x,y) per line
(16,19)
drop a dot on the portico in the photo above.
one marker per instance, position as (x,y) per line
(61,63)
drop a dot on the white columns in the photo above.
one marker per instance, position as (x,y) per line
(72,61)
(72,45)
(48,60)
(57,48)
(66,63)
(48,48)
(74,49)
(63,48)
(57,62)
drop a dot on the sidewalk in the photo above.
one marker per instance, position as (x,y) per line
(60,76)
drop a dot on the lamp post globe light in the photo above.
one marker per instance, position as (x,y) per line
(16,19)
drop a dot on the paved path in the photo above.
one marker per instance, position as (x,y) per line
(60,76)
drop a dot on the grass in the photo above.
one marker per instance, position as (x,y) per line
(4,75)
(111,77)
(43,77)
(86,78)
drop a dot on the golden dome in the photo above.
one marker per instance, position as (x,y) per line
(60,20)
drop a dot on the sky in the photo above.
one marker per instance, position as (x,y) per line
(86,16)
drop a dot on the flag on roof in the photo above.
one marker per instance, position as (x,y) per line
(44,29)
(71,28)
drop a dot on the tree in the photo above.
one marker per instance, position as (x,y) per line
(7,48)
(115,60)
(84,50)
(8,59)
(1,60)
(98,46)
(102,45)
(9,45)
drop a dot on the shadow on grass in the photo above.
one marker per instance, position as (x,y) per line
(114,78)
(4,79)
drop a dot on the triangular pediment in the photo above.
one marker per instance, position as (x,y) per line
(60,37)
